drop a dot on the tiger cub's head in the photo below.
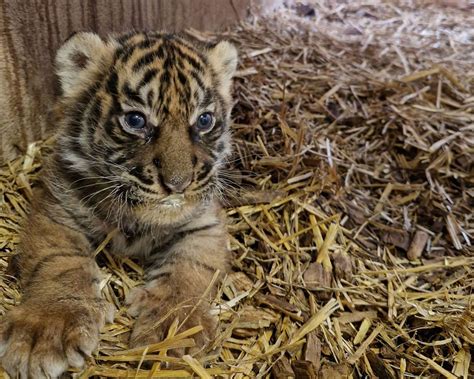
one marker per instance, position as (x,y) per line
(145,116)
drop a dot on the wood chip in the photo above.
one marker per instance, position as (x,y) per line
(417,245)
(282,369)
(316,276)
(312,351)
(304,370)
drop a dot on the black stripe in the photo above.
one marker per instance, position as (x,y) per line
(145,44)
(212,138)
(178,237)
(106,152)
(182,78)
(196,76)
(111,125)
(77,113)
(51,218)
(188,58)
(144,189)
(164,84)
(96,109)
(150,98)
(123,54)
(207,167)
(79,298)
(219,126)
(132,94)
(164,109)
(220,101)
(121,158)
(160,275)
(148,58)
(220,147)
(207,100)
(165,80)
(85,190)
(34,338)
(168,62)
(126,51)
(84,224)
(149,75)
(137,171)
(90,191)
(71,175)
(112,128)
(92,120)
(125,37)
(191,43)
(203,265)
(49,258)
(204,183)
(112,83)
(177,260)
(8,332)
(65,272)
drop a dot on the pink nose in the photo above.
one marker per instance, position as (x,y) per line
(177,184)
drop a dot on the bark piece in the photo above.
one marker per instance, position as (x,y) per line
(316,276)
(399,239)
(241,281)
(342,264)
(282,369)
(304,370)
(280,305)
(312,351)
(417,245)
(331,371)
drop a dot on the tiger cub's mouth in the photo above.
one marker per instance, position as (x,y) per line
(173,201)
(138,195)
(168,201)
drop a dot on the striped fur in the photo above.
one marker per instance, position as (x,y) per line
(104,176)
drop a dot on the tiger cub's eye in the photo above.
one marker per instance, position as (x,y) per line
(135,120)
(205,122)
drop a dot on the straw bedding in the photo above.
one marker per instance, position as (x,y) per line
(350,204)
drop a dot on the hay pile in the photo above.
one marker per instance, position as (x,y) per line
(350,209)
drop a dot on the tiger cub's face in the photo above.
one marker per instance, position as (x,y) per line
(145,117)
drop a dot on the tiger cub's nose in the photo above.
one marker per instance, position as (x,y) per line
(177,183)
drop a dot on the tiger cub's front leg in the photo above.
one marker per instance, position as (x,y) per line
(179,285)
(57,323)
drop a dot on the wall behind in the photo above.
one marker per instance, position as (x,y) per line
(32,30)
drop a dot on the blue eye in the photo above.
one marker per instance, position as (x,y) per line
(135,120)
(205,122)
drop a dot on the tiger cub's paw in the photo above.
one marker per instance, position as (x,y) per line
(40,340)
(155,312)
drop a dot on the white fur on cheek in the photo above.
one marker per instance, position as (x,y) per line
(77,162)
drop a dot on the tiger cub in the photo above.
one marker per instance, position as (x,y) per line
(142,133)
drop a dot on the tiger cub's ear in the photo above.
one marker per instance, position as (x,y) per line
(223,59)
(79,59)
